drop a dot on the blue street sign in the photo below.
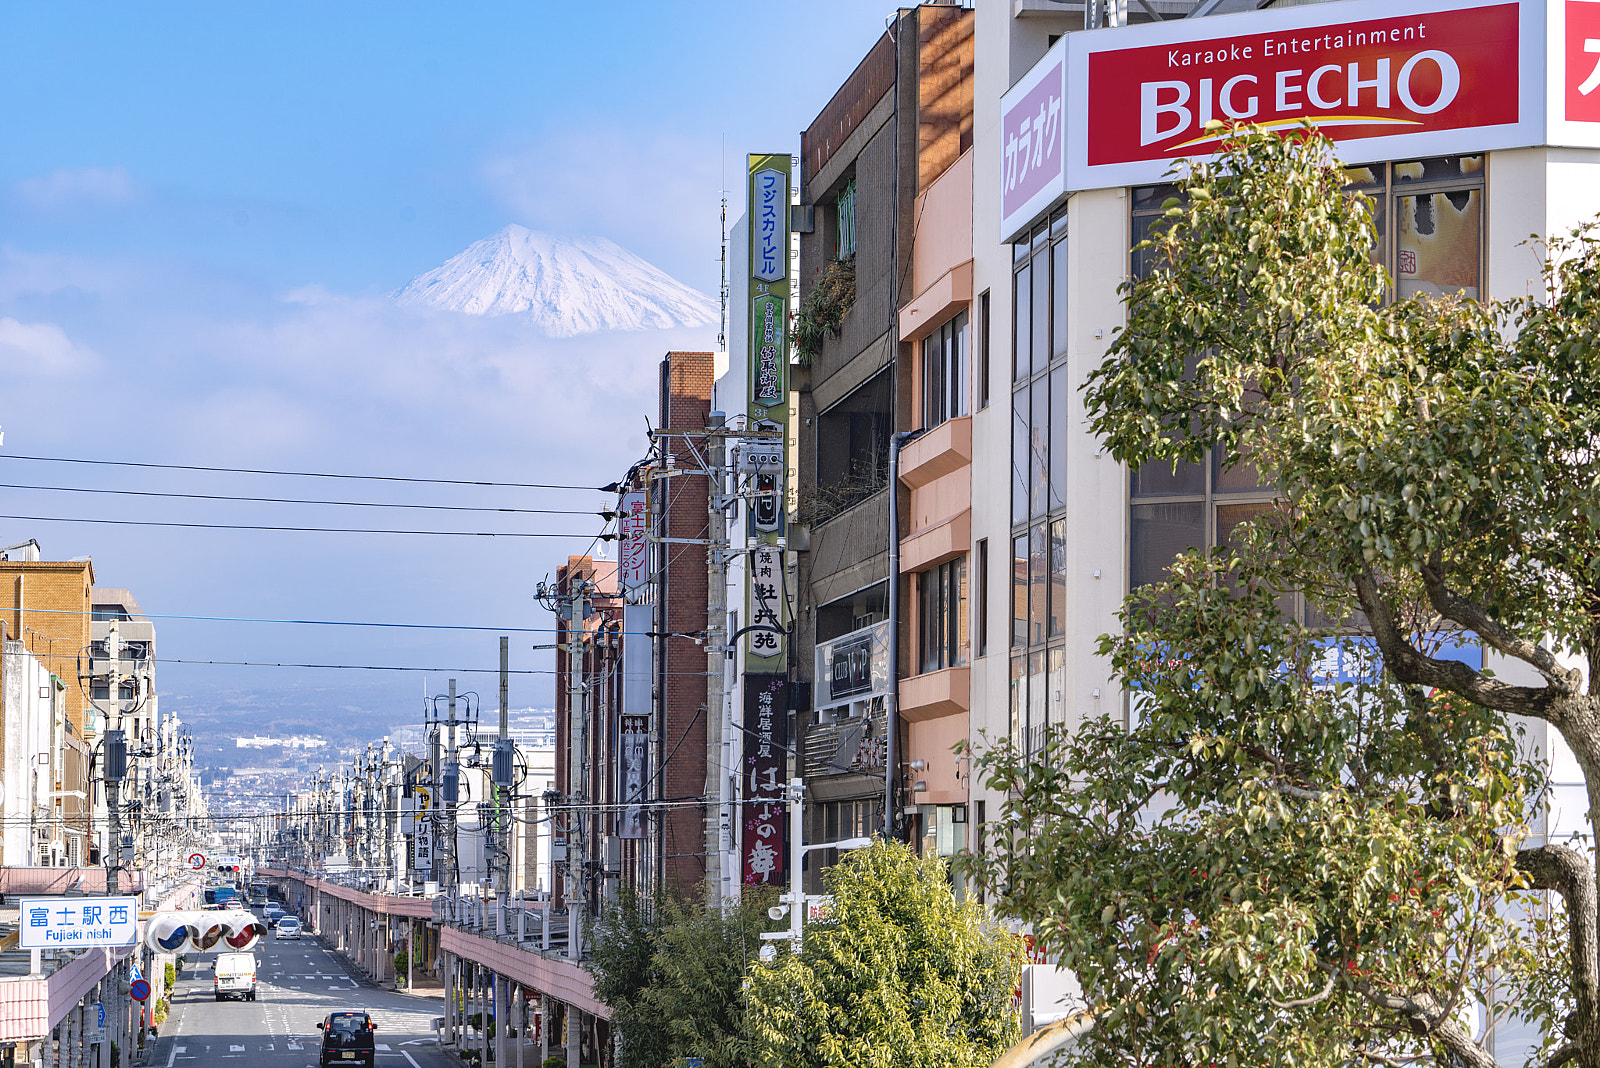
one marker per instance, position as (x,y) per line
(100,1012)
(139,990)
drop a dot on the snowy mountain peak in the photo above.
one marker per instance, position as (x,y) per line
(564,285)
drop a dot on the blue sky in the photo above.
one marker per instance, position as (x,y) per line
(202,208)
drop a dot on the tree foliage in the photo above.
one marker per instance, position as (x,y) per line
(899,976)
(1284,863)
(673,972)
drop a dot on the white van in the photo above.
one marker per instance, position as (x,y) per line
(234,976)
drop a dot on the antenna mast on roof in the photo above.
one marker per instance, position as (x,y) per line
(722,292)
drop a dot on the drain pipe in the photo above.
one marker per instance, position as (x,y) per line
(891,719)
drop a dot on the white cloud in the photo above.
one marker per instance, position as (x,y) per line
(40,349)
(71,187)
(654,193)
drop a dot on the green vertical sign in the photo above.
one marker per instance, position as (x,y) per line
(766,603)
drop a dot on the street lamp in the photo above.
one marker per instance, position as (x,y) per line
(795,899)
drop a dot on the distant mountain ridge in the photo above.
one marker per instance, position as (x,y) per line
(564,285)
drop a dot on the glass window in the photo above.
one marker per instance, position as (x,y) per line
(1160,532)
(1019,696)
(1041,312)
(1022,324)
(1058,578)
(1021,450)
(1058,299)
(1060,409)
(942,597)
(983,349)
(944,372)
(1019,590)
(1161,480)
(1439,243)
(1038,583)
(1056,711)
(1039,449)
(1037,694)
(980,596)
(845,218)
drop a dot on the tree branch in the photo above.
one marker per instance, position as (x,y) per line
(1322,995)
(1566,871)
(1411,665)
(1453,606)
(1566,1053)
(1427,1017)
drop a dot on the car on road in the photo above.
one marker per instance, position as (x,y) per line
(288,927)
(234,976)
(234,903)
(347,1038)
(273,914)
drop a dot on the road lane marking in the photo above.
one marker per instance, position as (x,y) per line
(410,1058)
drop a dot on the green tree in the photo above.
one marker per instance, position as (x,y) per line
(673,972)
(1280,864)
(899,976)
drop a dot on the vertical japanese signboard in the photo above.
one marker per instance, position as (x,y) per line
(633,524)
(766,743)
(767,410)
(634,773)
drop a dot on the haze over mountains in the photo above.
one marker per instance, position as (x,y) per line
(563,285)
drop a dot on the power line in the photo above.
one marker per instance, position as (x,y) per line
(299,474)
(301,500)
(301,530)
(345,623)
(353,667)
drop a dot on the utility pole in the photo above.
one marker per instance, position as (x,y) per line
(577,724)
(572,606)
(502,777)
(720,827)
(451,791)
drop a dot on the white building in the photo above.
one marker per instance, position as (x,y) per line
(1075,131)
(33,729)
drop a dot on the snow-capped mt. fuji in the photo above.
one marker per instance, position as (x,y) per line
(564,285)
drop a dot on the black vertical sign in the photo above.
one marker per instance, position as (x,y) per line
(766,743)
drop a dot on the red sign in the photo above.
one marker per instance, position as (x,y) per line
(1583,61)
(1415,73)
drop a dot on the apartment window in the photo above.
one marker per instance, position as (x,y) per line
(983,349)
(944,372)
(853,447)
(942,610)
(845,221)
(1041,398)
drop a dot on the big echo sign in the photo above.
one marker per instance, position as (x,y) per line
(1385,80)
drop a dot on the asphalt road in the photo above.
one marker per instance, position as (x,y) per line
(298,982)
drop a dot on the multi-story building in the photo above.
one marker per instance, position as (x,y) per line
(46,606)
(1076,129)
(883,178)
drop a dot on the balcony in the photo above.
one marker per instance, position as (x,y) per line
(936,694)
(941,451)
